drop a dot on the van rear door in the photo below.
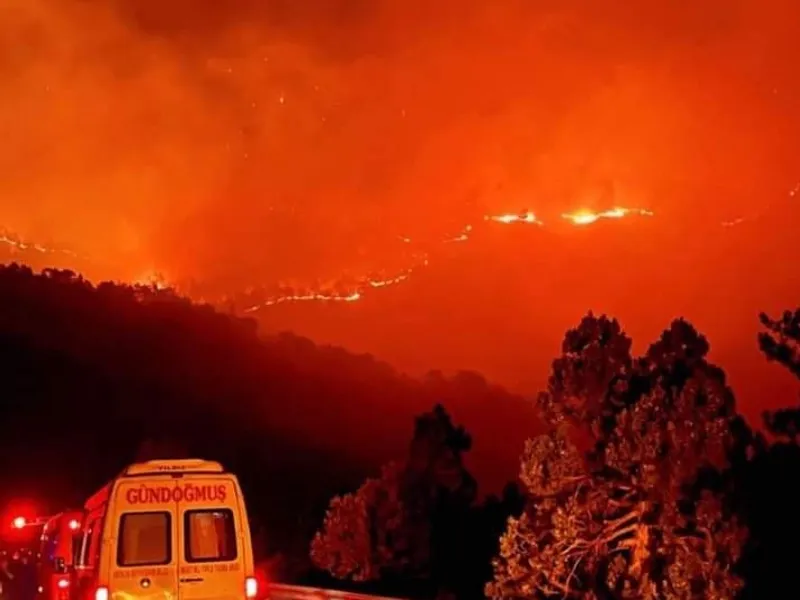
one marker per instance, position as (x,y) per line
(144,540)
(211,544)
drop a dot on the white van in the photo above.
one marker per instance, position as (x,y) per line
(164,530)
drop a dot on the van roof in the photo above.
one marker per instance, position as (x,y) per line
(155,467)
(188,465)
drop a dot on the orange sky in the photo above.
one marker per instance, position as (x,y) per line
(245,143)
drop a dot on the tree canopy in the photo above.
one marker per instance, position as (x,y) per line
(781,340)
(386,528)
(417,522)
(780,343)
(363,536)
(620,501)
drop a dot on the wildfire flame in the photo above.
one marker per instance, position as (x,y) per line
(461,237)
(523,217)
(154,279)
(587,217)
(17,244)
(304,298)
(358,291)
(351,296)
(352,293)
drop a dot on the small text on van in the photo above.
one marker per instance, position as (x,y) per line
(145,494)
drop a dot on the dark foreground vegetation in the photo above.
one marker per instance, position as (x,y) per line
(637,480)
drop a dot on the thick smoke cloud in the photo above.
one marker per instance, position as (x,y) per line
(211,137)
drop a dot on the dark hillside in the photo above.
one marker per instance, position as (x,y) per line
(95,377)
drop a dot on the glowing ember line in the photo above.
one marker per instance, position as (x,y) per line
(461,237)
(393,281)
(587,217)
(523,217)
(353,296)
(734,222)
(305,298)
(794,192)
(18,244)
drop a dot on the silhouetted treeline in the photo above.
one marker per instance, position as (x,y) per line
(417,530)
(767,485)
(92,378)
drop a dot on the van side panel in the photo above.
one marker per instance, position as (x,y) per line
(215,553)
(140,550)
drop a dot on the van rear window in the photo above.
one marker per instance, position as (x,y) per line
(145,538)
(210,535)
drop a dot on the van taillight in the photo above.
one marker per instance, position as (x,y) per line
(250,588)
(101,593)
(63,584)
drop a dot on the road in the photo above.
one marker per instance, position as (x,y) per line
(292,592)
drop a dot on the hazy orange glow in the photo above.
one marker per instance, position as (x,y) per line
(302,156)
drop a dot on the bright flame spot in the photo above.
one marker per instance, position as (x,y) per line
(587,217)
(19,522)
(459,238)
(523,217)
(152,279)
